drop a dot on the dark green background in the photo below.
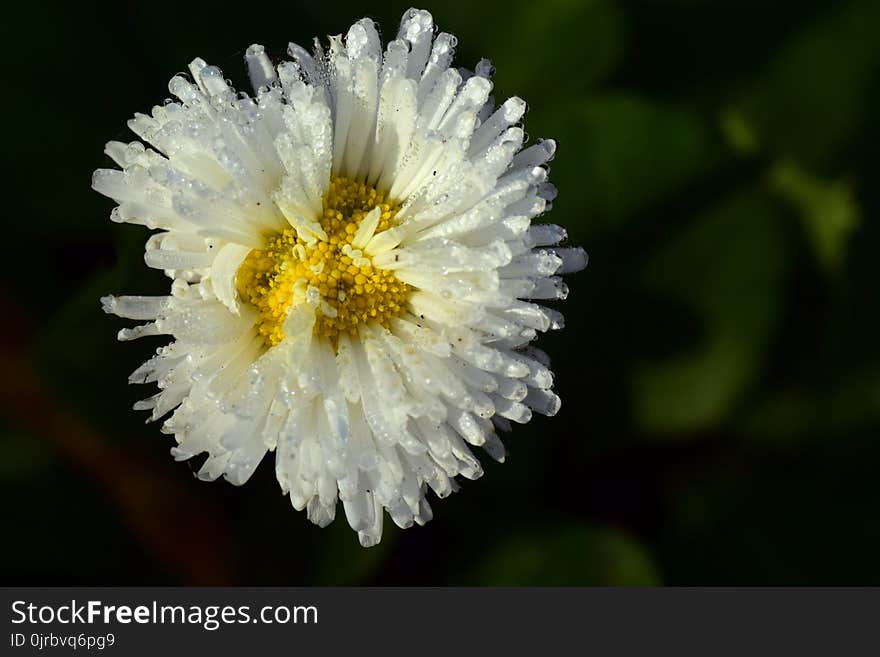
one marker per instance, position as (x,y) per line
(719,376)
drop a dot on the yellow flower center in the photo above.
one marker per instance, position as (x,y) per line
(352,291)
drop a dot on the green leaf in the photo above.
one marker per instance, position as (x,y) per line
(729,270)
(566,556)
(621,154)
(551,47)
(827,209)
(808,101)
(838,408)
(738,132)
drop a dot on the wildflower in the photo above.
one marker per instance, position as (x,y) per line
(353,266)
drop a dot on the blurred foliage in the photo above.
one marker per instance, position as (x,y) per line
(719,373)
(728,270)
(657,148)
(829,210)
(809,99)
(565,556)
(739,134)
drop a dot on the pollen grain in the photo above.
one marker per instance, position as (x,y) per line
(289,270)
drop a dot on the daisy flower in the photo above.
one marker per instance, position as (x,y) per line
(354,268)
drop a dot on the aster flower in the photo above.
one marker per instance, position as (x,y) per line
(353,266)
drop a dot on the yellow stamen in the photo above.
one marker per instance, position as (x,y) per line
(359,293)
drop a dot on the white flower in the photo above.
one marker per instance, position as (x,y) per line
(352,259)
